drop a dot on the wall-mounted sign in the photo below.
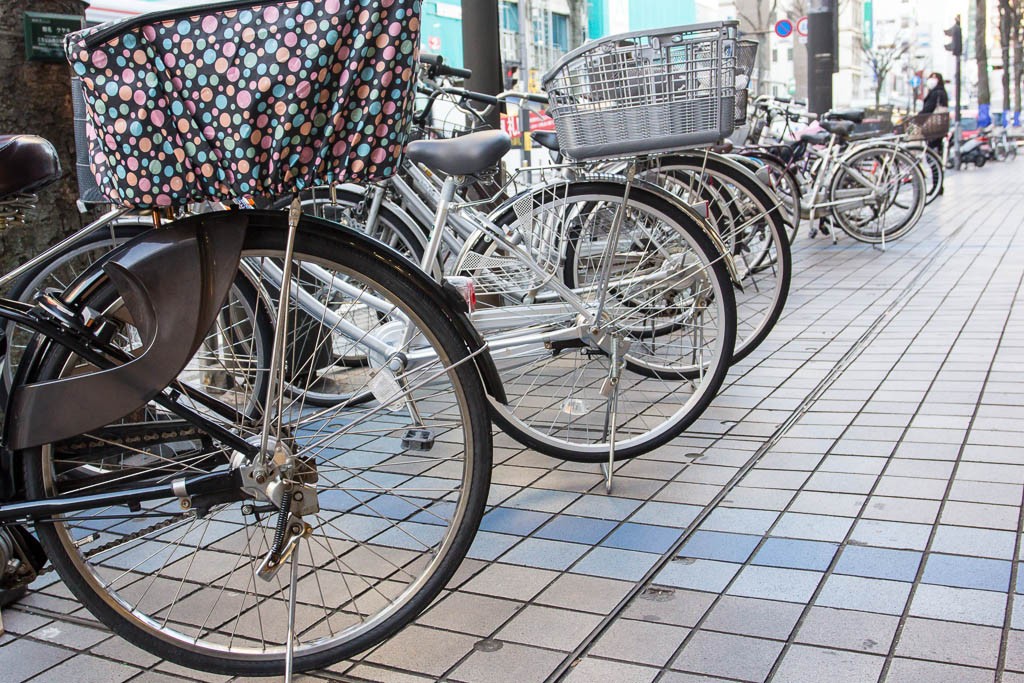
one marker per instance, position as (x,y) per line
(44,35)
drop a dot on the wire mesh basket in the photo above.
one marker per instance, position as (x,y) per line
(88,190)
(647,91)
(927,127)
(746,55)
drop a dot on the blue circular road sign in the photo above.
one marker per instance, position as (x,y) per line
(783,28)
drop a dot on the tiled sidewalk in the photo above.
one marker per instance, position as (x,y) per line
(848,510)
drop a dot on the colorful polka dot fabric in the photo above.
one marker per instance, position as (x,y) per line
(261,100)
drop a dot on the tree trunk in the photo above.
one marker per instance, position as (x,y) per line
(1018,66)
(577,23)
(1006,33)
(981,52)
(35,97)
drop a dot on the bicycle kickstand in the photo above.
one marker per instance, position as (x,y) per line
(611,390)
(289,657)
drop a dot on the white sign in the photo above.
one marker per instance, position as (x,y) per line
(801,27)
(449,11)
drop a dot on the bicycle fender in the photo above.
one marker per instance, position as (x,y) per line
(173,281)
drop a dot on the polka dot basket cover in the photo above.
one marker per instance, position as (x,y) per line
(220,102)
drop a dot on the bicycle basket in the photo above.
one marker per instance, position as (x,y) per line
(228,100)
(645,91)
(928,127)
(746,54)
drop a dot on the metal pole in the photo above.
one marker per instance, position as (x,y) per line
(525,28)
(481,49)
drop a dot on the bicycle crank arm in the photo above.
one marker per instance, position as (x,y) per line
(183,488)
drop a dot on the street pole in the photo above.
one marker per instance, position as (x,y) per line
(820,55)
(481,49)
(525,26)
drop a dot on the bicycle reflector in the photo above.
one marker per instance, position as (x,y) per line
(466,288)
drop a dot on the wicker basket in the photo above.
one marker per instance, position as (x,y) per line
(648,91)
(927,127)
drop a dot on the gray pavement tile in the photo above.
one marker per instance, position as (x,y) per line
(980,515)
(758,498)
(812,527)
(19,623)
(696,574)
(868,595)
(592,669)
(959,604)
(833,504)
(671,514)
(931,640)
(665,605)
(23,658)
(772,583)
(909,487)
(753,617)
(511,663)
(720,654)
(853,464)
(739,520)
(776,479)
(120,650)
(993,493)
(848,629)
(1015,650)
(470,613)
(960,540)
(902,509)
(642,642)
(840,482)
(71,635)
(87,669)
(423,650)
(367,672)
(548,627)
(805,664)
(510,581)
(683,492)
(916,671)
(886,534)
(585,593)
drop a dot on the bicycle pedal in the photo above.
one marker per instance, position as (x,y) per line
(418,440)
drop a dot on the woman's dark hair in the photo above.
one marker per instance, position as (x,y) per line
(937,75)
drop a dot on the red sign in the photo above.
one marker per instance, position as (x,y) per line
(538,122)
(801,26)
(434,43)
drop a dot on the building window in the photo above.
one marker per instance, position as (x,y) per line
(775,54)
(560,32)
(508,16)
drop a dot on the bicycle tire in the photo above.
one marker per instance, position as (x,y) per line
(555,404)
(907,173)
(765,280)
(215,556)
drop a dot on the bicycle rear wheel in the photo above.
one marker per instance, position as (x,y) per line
(399,482)
(751,223)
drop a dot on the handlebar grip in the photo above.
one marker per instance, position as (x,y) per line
(439,68)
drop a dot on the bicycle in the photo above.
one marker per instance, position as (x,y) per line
(171,513)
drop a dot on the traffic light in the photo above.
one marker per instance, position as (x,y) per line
(956,45)
(510,70)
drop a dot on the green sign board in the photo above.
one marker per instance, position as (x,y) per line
(44,35)
(869,25)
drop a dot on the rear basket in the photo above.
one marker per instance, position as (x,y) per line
(648,91)
(927,127)
(233,99)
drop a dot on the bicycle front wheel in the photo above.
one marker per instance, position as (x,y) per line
(878,193)
(669,316)
(394,485)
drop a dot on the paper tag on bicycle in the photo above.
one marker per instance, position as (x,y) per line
(385,386)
